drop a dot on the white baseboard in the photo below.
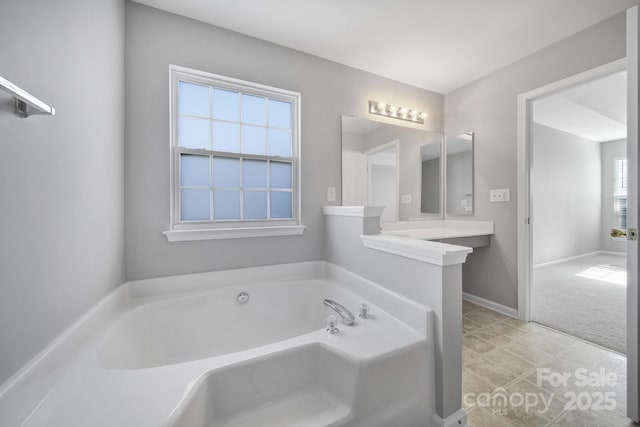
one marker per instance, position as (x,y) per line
(457,419)
(507,311)
(620,254)
(559,261)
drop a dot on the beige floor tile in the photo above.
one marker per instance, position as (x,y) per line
(492,314)
(592,357)
(511,361)
(469,325)
(552,346)
(468,355)
(486,417)
(496,374)
(469,306)
(517,323)
(474,388)
(542,402)
(531,353)
(579,418)
(483,318)
(492,336)
(507,330)
(476,344)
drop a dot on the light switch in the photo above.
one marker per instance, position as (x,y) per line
(331,194)
(405,199)
(500,195)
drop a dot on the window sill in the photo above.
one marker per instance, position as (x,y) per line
(233,233)
(619,239)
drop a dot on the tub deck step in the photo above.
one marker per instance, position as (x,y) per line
(309,408)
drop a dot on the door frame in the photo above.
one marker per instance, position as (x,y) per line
(525,116)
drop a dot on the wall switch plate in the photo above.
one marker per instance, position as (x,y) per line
(500,195)
(405,199)
(331,194)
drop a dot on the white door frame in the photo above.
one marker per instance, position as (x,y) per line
(525,240)
(391,144)
(633,159)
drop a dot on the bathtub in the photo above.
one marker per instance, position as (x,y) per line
(188,352)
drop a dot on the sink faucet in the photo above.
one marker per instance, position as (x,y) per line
(347,317)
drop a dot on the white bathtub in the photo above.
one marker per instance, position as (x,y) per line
(197,358)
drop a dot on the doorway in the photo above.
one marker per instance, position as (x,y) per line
(382,179)
(525,202)
(578,191)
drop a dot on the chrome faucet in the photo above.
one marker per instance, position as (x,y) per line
(347,317)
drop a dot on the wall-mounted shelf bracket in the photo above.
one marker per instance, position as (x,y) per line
(25,104)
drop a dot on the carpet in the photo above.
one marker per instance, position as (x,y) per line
(584,297)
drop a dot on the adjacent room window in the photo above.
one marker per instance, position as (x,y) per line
(235,153)
(620,193)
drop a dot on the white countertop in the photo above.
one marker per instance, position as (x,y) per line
(439,229)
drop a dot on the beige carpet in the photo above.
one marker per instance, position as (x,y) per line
(584,297)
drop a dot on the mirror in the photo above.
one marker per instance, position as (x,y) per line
(459,179)
(393,166)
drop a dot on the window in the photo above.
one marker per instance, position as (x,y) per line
(235,158)
(620,193)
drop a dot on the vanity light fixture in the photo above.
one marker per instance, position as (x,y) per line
(402,113)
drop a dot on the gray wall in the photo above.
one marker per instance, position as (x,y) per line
(610,151)
(459,181)
(430,186)
(155,39)
(566,190)
(488,107)
(61,178)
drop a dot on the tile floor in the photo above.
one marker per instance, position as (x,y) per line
(513,376)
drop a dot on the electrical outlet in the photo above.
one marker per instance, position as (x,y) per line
(331,194)
(500,195)
(405,199)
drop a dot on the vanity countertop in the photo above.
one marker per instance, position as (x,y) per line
(440,230)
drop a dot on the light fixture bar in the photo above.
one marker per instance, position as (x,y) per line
(402,113)
(25,103)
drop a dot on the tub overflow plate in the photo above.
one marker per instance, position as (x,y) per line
(242,298)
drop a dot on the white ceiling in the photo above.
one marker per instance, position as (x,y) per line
(432,44)
(596,111)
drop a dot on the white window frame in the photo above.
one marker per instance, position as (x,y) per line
(227,229)
(616,196)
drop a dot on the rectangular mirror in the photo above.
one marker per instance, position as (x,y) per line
(459,176)
(393,166)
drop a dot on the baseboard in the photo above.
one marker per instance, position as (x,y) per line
(457,419)
(560,261)
(507,311)
(620,254)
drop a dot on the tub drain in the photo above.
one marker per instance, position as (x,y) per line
(242,298)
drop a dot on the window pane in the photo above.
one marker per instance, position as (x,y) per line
(279,175)
(279,114)
(226,105)
(254,140)
(254,173)
(193,99)
(193,132)
(194,205)
(226,204)
(254,110)
(281,204)
(194,171)
(226,137)
(279,143)
(255,205)
(226,172)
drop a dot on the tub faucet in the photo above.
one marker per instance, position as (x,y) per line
(347,317)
